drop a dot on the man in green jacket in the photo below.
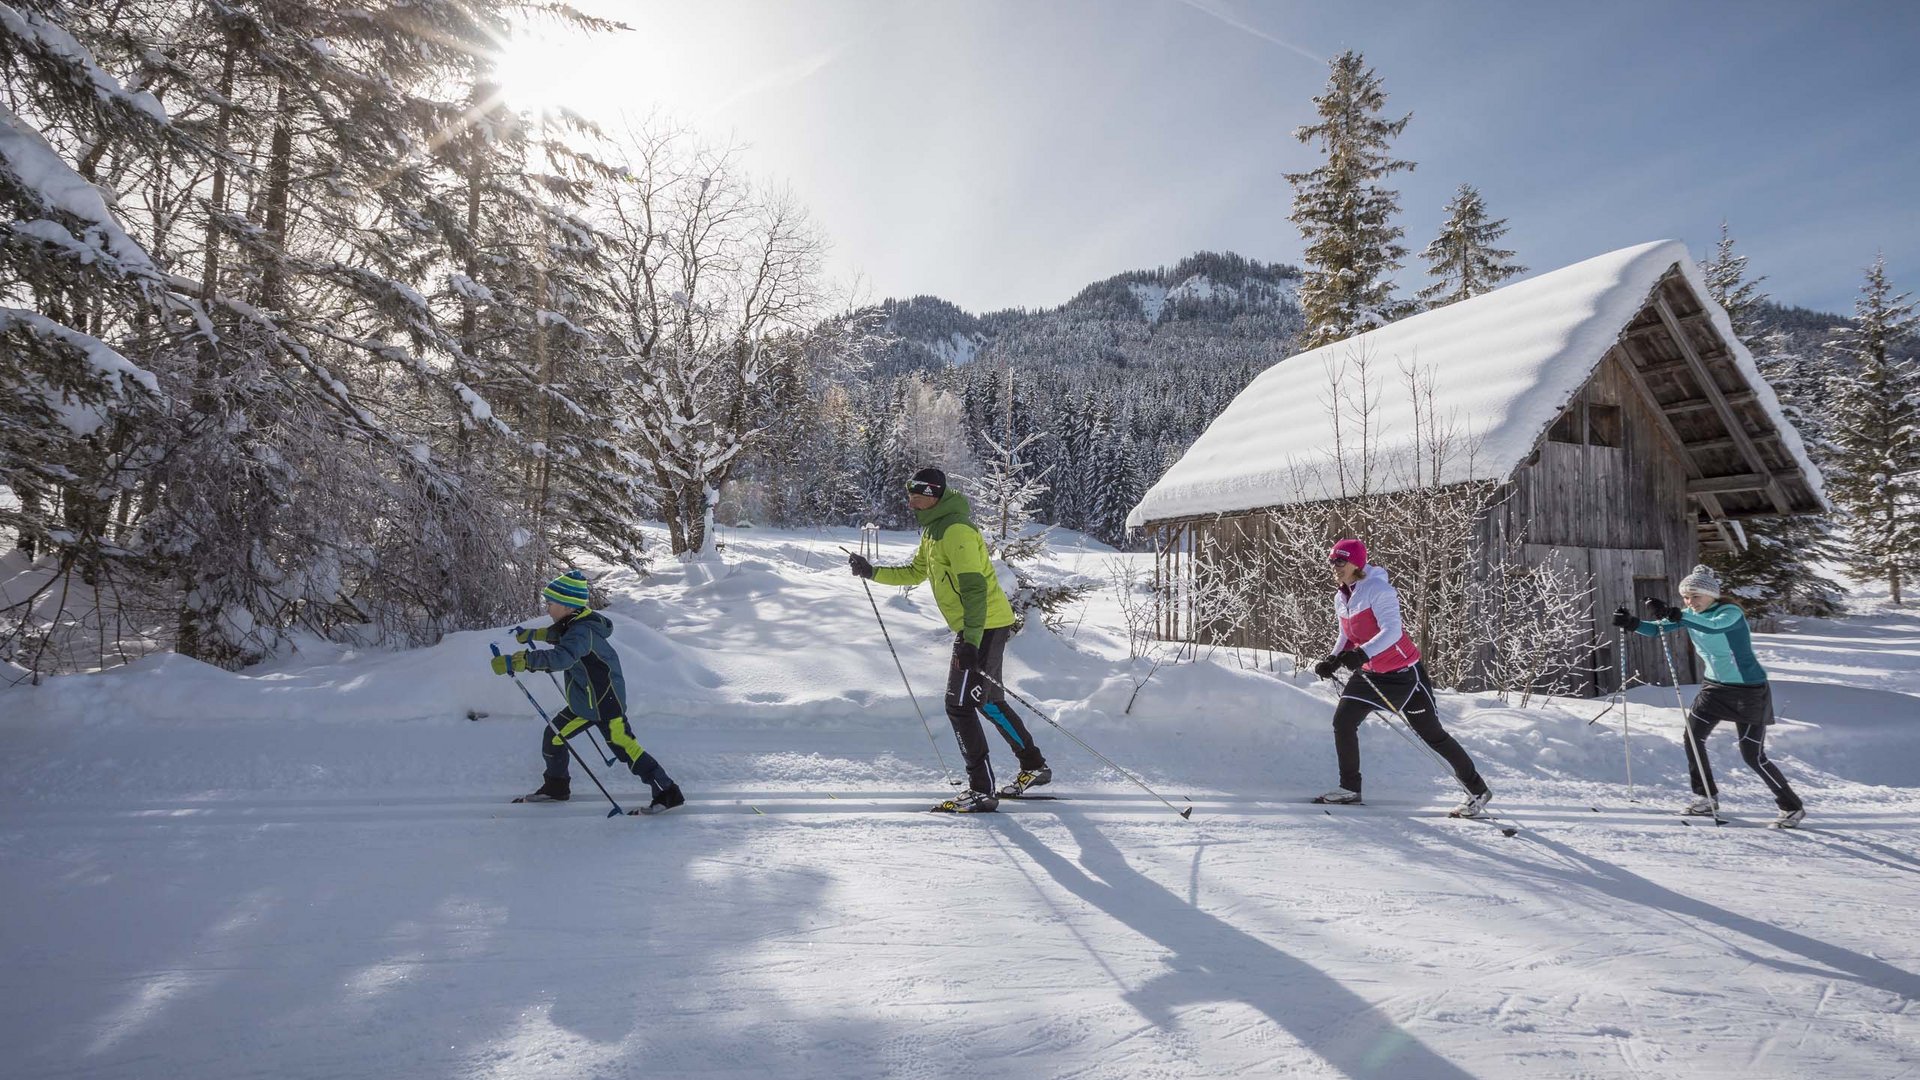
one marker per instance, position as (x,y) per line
(953,556)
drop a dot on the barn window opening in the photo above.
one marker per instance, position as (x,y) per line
(1603,425)
(1567,428)
(1591,425)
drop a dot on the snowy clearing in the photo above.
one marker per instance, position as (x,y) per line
(310,869)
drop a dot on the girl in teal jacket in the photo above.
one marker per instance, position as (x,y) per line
(1735,689)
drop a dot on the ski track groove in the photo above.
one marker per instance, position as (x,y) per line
(834,925)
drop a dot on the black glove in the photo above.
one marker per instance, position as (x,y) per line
(1624,619)
(966,655)
(1325,668)
(1352,659)
(1661,610)
(861,567)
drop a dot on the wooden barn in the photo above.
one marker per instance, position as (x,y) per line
(1617,422)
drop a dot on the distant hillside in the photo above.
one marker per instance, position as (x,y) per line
(1140,318)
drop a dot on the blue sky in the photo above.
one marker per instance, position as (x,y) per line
(1002,153)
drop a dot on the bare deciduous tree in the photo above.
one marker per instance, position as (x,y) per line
(715,281)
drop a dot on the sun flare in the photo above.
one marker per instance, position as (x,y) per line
(533,74)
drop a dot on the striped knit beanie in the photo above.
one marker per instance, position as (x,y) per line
(1702,580)
(569,589)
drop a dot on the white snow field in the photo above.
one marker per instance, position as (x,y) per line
(310,869)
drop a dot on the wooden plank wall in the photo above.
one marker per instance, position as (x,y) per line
(1627,506)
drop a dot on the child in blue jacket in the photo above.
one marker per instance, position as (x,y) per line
(596,692)
(1735,689)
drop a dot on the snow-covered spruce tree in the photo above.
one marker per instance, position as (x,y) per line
(81,300)
(804,468)
(320,213)
(1344,212)
(1004,496)
(528,301)
(1777,569)
(1118,482)
(713,281)
(1462,258)
(1874,465)
(1731,288)
(880,468)
(300,478)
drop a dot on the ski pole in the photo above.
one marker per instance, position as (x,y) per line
(1626,739)
(948,773)
(1388,702)
(616,811)
(1696,768)
(1511,827)
(591,737)
(1037,711)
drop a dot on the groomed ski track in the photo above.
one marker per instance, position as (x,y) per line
(313,872)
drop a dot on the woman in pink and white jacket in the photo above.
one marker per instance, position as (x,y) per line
(1387,673)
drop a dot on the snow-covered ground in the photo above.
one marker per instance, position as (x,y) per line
(310,870)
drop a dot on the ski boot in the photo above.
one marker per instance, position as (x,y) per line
(1472,805)
(665,799)
(550,791)
(1039,777)
(969,802)
(1339,797)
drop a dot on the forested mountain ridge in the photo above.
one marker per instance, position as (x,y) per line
(1114,322)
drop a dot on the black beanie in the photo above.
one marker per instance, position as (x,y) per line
(928,481)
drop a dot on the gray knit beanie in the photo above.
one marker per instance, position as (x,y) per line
(1702,580)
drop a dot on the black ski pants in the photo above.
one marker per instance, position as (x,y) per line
(969,696)
(553,749)
(1405,690)
(1749,709)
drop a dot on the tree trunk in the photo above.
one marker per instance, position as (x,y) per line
(192,637)
(222,143)
(469,307)
(543,469)
(273,279)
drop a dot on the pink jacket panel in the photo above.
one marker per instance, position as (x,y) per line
(1369,614)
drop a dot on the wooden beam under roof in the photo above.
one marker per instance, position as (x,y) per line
(1700,404)
(1664,367)
(1625,357)
(1728,442)
(1720,485)
(1710,390)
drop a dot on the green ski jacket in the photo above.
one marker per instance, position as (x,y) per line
(953,555)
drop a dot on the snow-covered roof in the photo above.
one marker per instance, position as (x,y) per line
(1504,366)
